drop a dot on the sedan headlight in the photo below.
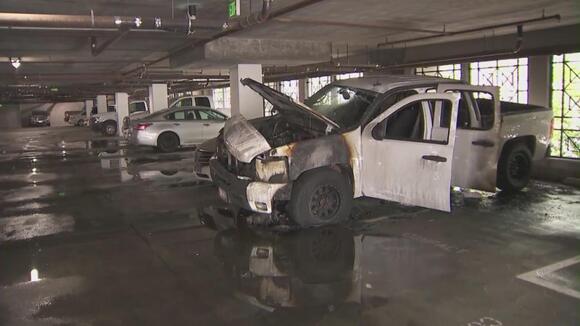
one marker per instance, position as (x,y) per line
(273,169)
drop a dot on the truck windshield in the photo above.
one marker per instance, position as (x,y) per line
(341,104)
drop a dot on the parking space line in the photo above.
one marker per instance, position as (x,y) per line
(537,277)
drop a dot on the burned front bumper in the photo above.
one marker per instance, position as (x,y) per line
(245,193)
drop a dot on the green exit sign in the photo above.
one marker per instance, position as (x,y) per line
(234,8)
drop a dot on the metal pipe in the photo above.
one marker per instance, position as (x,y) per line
(88,21)
(481,56)
(473,30)
(263,16)
(76,29)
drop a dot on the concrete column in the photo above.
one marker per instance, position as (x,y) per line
(539,70)
(88,108)
(157,97)
(122,102)
(101,103)
(244,100)
(302,90)
(465,72)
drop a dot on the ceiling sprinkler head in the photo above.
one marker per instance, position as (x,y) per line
(15,62)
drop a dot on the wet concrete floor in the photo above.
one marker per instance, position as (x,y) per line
(114,236)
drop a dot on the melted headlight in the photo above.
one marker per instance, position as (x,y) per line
(272,169)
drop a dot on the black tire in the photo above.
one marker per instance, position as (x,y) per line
(514,168)
(168,142)
(109,128)
(320,197)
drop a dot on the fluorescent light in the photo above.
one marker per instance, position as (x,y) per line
(34,275)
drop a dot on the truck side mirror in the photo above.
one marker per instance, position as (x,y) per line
(379,131)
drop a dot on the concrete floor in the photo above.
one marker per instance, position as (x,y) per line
(115,237)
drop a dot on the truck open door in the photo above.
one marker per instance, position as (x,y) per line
(403,159)
(477,143)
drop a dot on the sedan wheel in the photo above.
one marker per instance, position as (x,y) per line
(168,142)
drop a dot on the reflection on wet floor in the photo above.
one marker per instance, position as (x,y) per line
(127,236)
(308,268)
(23,227)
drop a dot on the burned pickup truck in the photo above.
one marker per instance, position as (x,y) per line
(400,138)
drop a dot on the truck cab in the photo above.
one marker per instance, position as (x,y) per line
(189,101)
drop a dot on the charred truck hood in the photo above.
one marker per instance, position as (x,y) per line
(285,104)
(294,122)
(243,140)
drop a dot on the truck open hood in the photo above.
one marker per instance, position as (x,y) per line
(242,140)
(283,102)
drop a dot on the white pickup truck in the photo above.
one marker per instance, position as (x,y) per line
(106,122)
(407,139)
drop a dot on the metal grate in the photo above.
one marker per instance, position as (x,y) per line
(349,75)
(221,98)
(565,99)
(511,75)
(316,83)
(445,71)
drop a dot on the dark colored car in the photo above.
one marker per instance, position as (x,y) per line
(39,119)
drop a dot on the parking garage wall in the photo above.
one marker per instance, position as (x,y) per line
(9,116)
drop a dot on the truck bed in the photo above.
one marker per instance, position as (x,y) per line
(509,108)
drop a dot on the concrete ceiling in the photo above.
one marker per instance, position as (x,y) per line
(63,57)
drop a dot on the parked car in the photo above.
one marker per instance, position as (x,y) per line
(401,138)
(106,123)
(203,154)
(39,119)
(68,114)
(169,129)
(78,119)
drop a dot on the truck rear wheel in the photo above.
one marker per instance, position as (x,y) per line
(514,168)
(320,197)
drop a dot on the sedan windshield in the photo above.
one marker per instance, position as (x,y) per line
(341,104)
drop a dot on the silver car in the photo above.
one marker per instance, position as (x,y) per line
(170,129)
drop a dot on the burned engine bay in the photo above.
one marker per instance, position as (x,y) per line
(282,129)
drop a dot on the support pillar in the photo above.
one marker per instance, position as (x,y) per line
(465,72)
(88,108)
(122,103)
(302,90)
(244,100)
(101,103)
(539,69)
(157,97)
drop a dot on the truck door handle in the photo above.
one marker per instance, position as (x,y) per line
(206,124)
(483,142)
(176,124)
(435,158)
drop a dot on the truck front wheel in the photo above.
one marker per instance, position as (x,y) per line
(320,197)
(514,168)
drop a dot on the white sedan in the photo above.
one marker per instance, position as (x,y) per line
(169,129)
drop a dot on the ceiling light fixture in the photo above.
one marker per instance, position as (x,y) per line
(15,62)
